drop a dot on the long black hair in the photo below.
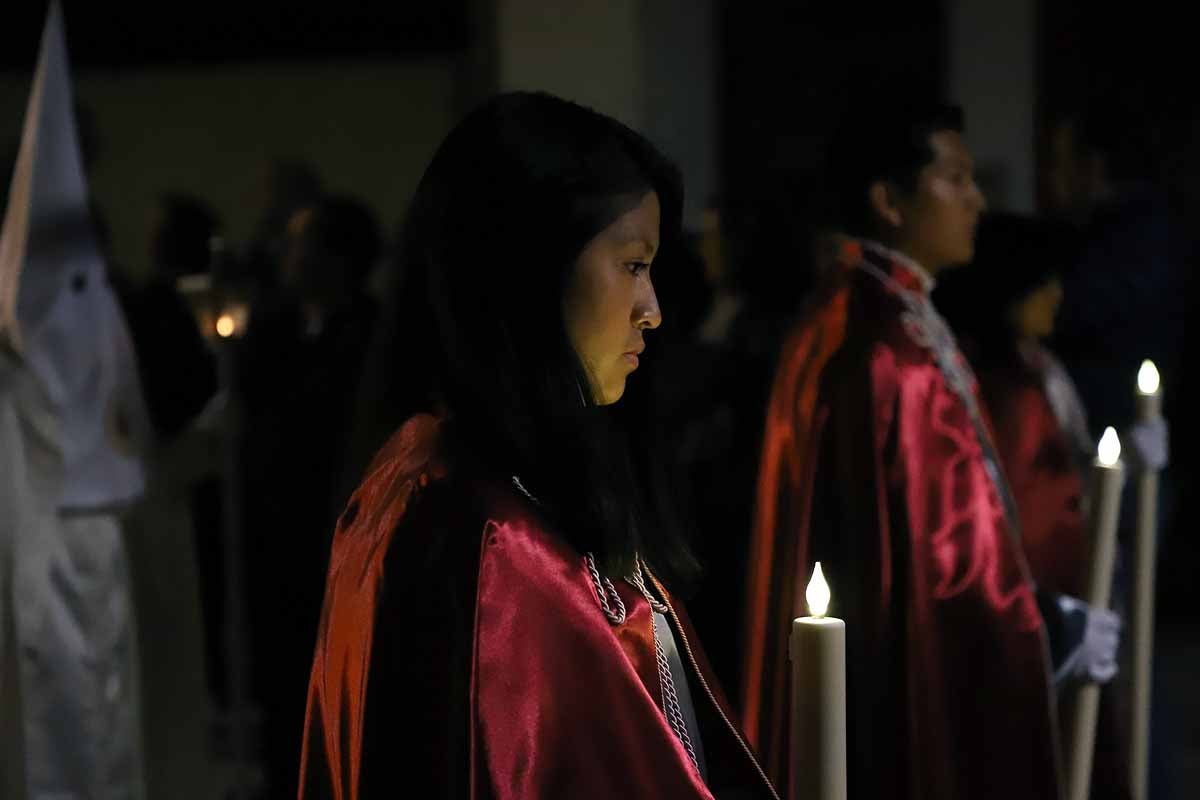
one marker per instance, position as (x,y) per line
(509,201)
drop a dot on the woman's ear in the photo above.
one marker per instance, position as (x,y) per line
(883,200)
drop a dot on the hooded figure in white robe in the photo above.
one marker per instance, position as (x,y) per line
(72,420)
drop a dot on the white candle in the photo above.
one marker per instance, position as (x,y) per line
(1149,408)
(1107,477)
(818,654)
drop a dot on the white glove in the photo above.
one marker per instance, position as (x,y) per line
(1150,440)
(1094,658)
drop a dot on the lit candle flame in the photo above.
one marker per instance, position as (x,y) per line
(1148,378)
(226,326)
(817,593)
(1109,450)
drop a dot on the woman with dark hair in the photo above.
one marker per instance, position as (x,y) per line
(495,620)
(1003,308)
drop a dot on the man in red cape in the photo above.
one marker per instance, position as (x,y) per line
(877,462)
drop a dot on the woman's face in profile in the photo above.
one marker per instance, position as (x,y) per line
(610,301)
(1034,316)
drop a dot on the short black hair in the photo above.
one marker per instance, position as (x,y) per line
(871,143)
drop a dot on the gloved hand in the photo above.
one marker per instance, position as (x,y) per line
(1150,450)
(1094,654)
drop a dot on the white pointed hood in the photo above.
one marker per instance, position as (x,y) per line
(57,311)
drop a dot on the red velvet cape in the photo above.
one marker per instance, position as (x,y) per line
(872,465)
(463,653)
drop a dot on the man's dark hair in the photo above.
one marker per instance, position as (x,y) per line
(880,143)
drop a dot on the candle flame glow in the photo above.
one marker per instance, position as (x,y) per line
(1109,450)
(817,593)
(1148,378)
(225,326)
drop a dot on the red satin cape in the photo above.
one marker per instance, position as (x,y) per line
(871,465)
(1044,474)
(463,653)
(1047,484)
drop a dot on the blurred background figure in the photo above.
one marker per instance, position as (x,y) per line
(172,533)
(1111,170)
(1125,288)
(178,370)
(298,378)
(1003,308)
(285,187)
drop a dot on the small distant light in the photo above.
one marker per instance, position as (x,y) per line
(225,326)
